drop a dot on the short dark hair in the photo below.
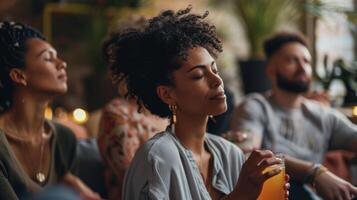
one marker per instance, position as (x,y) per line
(276,41)
(146,57)
(13,37)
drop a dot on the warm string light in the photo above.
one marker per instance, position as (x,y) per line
(354,111)
(48,113)
(78,115)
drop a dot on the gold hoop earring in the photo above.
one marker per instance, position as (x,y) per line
(173,109)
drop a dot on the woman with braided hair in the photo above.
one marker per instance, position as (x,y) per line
(169,67)
(34,152)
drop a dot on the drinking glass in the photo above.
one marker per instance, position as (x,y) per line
(273,188)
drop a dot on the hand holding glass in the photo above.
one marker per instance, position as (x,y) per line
(273,188)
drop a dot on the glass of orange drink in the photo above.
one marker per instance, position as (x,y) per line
(273,188)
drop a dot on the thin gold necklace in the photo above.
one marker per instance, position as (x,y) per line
(40,177)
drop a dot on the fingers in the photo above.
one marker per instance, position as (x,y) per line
(258,155)
(287,186)
(271,173)
(261,153)
(262,164)
(345,195)
(353,190)
(287,177)
(260,160)
(287,193)
(269,162)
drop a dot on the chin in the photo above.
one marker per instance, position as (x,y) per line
(219,110)
(61,90)
(64,91)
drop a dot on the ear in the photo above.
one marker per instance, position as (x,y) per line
(18,76)
(166,94)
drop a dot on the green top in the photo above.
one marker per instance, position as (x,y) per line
(15,182)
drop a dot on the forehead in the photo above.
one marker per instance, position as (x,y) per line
(294,49)
(36,45)
(196,56)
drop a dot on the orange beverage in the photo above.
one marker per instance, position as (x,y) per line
(273,188)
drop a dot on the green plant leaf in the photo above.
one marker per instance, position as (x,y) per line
(262,17)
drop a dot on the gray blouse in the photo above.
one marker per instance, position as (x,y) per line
(164,169)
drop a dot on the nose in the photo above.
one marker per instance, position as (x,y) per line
(216,81)
(301,65)
(61,64)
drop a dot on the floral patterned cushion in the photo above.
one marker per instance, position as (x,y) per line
(122,131)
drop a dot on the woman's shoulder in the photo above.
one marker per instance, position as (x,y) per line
(63,137)
(224,147)
(160,147)
(61,132)
(64,144)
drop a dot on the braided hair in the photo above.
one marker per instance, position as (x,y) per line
(146,57)
(13,37)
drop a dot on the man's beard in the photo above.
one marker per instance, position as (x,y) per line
(292,86)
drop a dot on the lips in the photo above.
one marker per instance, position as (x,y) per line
(218,96)
(63,77)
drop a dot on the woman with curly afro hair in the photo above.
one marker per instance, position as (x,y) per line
(169,67)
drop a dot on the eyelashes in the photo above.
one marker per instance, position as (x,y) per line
(197,77)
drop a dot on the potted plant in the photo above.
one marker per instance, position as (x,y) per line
(347,74)
(260,18)
(339,70)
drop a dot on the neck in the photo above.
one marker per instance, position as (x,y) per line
(191,130)
(26,116)
(286,99)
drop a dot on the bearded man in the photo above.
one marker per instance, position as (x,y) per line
(285,121)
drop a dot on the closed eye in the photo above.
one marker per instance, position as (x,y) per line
(48,54)
(197,77)
(198,74)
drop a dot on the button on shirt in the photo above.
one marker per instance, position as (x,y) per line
(164,169)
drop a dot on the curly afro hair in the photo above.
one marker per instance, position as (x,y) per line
(146,56)
(13,37)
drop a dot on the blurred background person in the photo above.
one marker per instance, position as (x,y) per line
(284,120)
(35,152)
